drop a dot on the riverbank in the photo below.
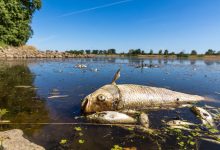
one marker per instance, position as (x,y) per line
(32,52)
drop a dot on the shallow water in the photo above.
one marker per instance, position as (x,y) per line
(32,105)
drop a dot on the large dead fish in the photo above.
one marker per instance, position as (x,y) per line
(129,96)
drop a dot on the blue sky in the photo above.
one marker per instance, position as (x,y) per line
(176,25)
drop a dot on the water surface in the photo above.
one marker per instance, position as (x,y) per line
(32,105)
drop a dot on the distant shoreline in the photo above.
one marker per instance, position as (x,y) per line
(190,57)
(31,52)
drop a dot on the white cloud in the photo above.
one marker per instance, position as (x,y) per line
(94,8)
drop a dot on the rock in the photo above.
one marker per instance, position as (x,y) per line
(32,52)
(14,140)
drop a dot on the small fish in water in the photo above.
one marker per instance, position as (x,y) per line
(111,117)
(179,123)
(204,115)
(112,97)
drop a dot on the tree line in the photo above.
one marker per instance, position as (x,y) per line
(78,52)
(165,52)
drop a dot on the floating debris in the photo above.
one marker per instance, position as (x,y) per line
(80,66)
(94,69)
(58,96)
(217,93)
(23,86)
(209,107)
(147,66)
(55,92)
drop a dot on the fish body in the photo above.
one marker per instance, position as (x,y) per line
(144,120)
(111,117)
(112,97)
(204,115)
(180,123)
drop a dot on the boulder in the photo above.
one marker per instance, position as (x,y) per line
(14,140)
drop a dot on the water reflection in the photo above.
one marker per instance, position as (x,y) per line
(23,104)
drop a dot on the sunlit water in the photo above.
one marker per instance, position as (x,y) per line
(31,105)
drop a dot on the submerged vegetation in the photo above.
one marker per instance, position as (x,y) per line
(21,104)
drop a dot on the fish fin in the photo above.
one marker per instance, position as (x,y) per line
(116,77)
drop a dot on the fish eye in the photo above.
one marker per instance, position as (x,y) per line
(101,97)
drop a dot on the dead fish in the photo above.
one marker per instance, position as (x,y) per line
(129,96)
(80,66)
(204,115)
(217,93)
(144,120)
(57,96)
(23,86)
(111,117)
(179,123)
(209,107)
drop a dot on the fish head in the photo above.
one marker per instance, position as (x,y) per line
(103,99)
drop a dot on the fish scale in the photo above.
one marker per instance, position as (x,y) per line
(133,95)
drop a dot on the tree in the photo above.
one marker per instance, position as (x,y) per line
(218,53)
(151,52)
(88,51)
(166,52)
(210,52)
(193,52)
(95,51)
(172,53)
(135,51)
(160,52)
(111,51)
(15,20)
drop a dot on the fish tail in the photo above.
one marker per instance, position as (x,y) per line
(210,99)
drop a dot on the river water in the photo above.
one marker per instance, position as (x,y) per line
(29,107)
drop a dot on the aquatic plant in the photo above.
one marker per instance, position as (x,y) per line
(2,113)
(117,147)
(78,128)
(63,141)
(81,141)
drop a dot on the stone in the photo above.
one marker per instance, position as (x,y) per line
(14,140)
